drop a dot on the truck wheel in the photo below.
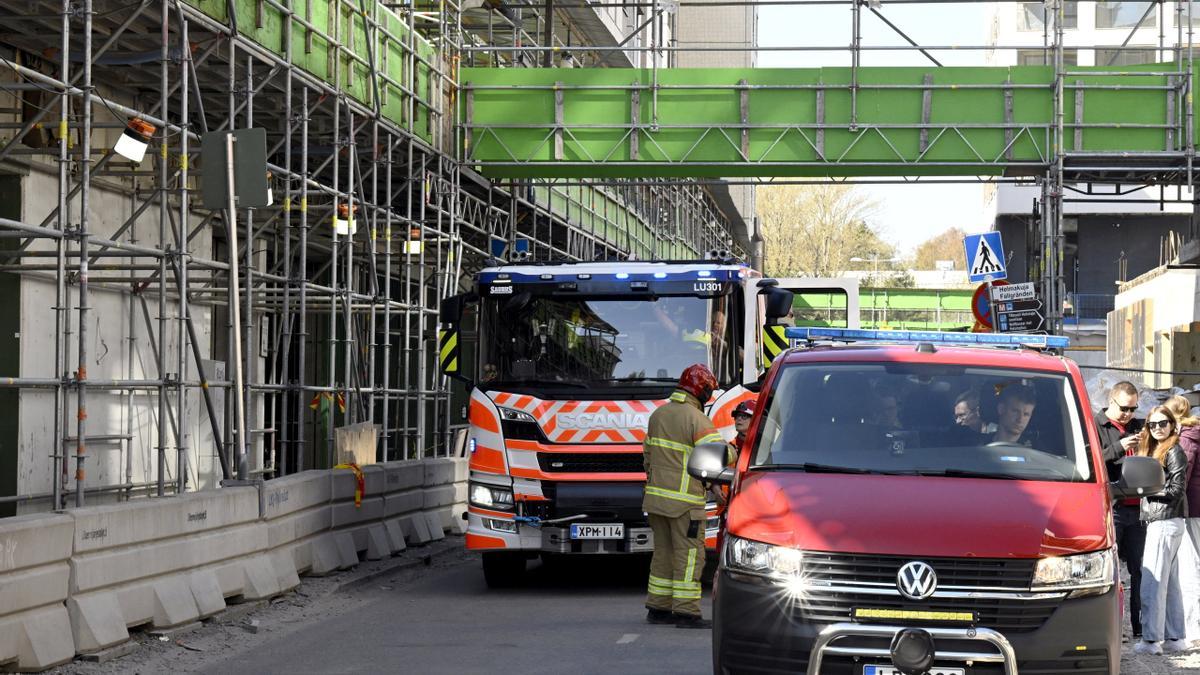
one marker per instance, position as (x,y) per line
(710,569)
(503,570)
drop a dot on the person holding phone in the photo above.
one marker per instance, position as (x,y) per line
(1120,432)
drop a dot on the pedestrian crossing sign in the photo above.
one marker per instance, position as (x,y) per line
(985,257)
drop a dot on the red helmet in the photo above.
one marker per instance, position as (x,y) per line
(746,408)
(698,381)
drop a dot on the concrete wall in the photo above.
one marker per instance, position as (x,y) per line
(1146,332)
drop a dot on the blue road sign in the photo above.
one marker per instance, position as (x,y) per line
(985,257)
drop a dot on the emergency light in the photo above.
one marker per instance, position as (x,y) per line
(937,337)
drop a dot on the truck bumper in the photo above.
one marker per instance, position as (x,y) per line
(489,532)
(497,531)
(756,629)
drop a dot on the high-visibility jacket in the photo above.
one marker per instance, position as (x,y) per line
(673,431)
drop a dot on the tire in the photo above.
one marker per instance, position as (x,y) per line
(503,570)
(710,569)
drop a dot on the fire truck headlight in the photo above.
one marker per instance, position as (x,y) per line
(490,497)
(516,415)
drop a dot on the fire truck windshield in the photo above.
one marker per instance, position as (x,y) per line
(604,341)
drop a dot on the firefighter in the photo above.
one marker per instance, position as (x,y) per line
(674,501)
(742,414)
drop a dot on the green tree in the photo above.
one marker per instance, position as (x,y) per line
(945,246)
(814,230)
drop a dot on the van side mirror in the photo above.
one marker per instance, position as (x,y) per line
(1140,477)
(708,463)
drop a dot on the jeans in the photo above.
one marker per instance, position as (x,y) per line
(1189,580)
(1162,597)
(1131,540)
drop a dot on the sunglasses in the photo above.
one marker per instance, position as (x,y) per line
(1127,408)
(1160,424)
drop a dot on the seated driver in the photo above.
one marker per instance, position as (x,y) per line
(1013,411)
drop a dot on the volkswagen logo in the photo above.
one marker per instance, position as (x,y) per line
(916,580)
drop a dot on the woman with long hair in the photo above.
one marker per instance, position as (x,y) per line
(1189,551)
(1162,599)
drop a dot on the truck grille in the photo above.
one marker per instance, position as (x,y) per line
(1008,615)
(841,568)
(847,570)
(591,462)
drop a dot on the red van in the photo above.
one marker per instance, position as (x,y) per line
(910,505)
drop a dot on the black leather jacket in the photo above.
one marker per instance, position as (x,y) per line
(1172,501)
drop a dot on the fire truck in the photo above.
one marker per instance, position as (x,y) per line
(568,362)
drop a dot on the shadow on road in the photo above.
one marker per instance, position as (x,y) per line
(575,574)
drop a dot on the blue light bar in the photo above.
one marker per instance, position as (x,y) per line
(938,337)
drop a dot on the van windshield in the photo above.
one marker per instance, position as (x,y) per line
(924,419)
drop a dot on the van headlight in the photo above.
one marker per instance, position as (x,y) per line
(491,497)
(1082,574)
(755,557)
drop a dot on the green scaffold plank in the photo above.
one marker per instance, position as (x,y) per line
(315,52)
(798,122)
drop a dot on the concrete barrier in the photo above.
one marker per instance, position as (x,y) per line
(77,582)
(35,630)
(165,562)
(445,494)
(358,528)
(298,518)
(402,503)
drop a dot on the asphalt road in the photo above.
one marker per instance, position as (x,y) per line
(581,616)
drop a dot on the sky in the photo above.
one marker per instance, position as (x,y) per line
(909,214)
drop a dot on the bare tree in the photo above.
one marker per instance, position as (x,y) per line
(945,246)
(814,230)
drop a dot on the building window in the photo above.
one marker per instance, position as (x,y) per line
(1124,14)
(1032,15)
(1044,57)
(1126,57)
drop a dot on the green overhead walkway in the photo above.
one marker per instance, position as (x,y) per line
(898,308)
(702,122)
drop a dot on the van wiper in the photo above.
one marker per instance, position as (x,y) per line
(534,383)
(965,473)
(810,467)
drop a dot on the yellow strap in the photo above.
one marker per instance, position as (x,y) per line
(677,496)
(670,445)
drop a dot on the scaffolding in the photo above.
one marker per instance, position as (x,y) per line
(120,326)
(125,380)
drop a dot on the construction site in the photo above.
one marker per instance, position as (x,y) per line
(235,232)
(407,144)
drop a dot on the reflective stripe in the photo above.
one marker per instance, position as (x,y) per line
(659,581)
(691,565)
(677,496)
(686,595)
(713,437)
(679,397)
(654,590)
(670,445)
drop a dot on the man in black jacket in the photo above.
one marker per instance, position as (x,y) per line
(1119,433)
